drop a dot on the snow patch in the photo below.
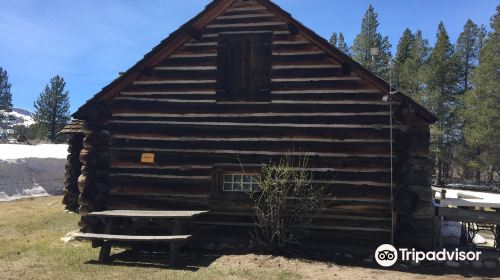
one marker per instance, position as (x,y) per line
(31,171)
(13,151)
(478,239)
(17,117)
(472,196)
(22,119)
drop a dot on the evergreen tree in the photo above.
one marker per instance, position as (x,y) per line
(467,52)
(342,45)
(52,108)
(369,38)
(467,49)
(404,46)
(410,61)
(416,67)
(403,54)
(5,99)
(441,86)
(5,94)
(339,42)
(333,39)
(482,36)
(481,114)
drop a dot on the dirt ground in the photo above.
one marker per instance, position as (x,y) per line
(322,270)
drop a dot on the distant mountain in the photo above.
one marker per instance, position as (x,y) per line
(21,117)
(17,117)
(23,112)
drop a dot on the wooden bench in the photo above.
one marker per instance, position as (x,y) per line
(176,240)
(465,212)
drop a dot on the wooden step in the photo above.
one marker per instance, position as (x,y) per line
(137,238)
(147,214)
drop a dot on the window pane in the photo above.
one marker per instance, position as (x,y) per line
(228,186)
(255,179)
(236,186)
(240,182)
(247,187)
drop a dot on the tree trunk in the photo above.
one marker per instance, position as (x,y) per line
(478,171)
(439,162)
(478,176)
(491,173)
(439,172)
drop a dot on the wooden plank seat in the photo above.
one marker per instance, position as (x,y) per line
(176,240)
(468,215)
(469,203)
(148,214)
(134,238)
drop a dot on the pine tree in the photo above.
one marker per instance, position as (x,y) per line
(410,61)
(5,94)
(467,52)
(339,42)
(482,36)
(441,86)
(333,39)
(5,101)
(369,38)
(52,108)
(342,45)
(467,49)
(404,46)
(416,67)
(481,118)
(403,54)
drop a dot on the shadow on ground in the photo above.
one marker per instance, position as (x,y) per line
(192,261)
(188,260)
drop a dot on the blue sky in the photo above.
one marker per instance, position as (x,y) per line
(89,42)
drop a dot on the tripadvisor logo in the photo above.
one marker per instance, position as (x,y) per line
(386,255)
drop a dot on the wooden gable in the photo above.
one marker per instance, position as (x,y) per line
(292,44)
(296,73)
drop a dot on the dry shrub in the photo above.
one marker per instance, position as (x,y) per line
(285,205)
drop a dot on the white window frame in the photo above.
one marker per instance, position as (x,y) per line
(240,182)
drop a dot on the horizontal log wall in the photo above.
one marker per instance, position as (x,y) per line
(319,109)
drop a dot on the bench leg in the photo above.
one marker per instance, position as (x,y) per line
(174,253)
(106,245)
(497,235)
(105,251)
(175,245)
(194,243)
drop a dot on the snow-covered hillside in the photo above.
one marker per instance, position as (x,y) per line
(31,170)
(22,117)
(15,118)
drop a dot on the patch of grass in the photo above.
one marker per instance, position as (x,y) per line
(30,232)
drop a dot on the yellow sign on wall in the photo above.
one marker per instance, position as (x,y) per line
(148,158)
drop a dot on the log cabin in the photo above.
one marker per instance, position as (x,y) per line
(241,84)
